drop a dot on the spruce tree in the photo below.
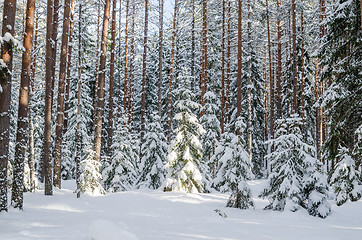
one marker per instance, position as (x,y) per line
(346,179)
(234,168)
(184,160)
(154,149)
(120,173)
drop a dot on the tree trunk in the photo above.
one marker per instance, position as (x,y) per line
(144,77)
(171,71)
(193,45)
(132,68)
(101,82)
(5,97)
(49,63)
(239,59)
(69,63)
(119,109)
(250,134)
(303,69)
(160,53)
(79,137)
(204,54)
(294,39)
(228,63)
(22,128)
(111,79)
(279,64)
(125,91)
(57,175)
(222,118)
(271,78)
(97,63)
(30,115)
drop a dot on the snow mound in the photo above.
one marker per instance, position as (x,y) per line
(106,230)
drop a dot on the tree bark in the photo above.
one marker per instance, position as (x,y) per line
(271,79)
(111,79)
(250,134)
(294,39)
(303,69)
(222,118)
(132,68)
(160,53)
(22,127)
(49,63)
(279,64)
(57,175)
(5,97)
(79,94)
(204,54)
(144,77)
(101,82)
(69,63)
(30,115)
(171,70)
(125,91)
(239,59)
(228,63)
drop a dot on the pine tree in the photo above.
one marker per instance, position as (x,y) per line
(23,129)
(6,65)
(152,173)
(184,160)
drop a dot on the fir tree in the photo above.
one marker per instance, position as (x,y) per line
(184,160)
(295,181)
(120,172)
(346,179)
(90,176)
(234,168)
(154,151)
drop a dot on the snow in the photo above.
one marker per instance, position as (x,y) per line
(149,215)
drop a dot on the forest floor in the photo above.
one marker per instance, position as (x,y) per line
(155,215)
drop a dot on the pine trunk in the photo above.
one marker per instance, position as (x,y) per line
(271,79)
(204,54)
(5,97)
(228,63)
(303,69)
(222,118)
(69,63)
(239,59)
(160,53)
(249,126)
(57,175)
(279,64)
(79,94)
(294,39)
(22,127)
(125,91)
(111,79)
(49,63)
(171,71)
(31,159)
(101,82)
(144,77)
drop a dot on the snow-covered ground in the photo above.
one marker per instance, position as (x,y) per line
(155,215)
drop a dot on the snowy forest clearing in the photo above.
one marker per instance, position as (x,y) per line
(148,215)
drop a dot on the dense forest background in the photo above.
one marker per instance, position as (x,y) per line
(115,95)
